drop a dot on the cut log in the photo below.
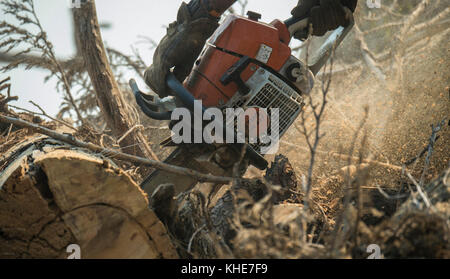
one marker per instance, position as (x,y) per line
(53,195)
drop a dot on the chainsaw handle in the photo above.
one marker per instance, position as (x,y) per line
(295,24)
(143,105)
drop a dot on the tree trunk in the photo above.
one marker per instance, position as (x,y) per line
(53,195)
(109,97)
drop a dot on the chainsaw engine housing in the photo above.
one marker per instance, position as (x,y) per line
(247,63)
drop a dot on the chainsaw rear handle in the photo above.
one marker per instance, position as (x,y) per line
(144,106)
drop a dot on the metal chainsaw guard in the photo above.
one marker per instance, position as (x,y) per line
(326,49)
(188,100)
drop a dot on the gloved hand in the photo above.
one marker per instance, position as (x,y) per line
(179,48)
(324,15)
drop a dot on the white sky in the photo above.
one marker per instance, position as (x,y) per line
(129,19)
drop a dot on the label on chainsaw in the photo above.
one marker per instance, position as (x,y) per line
(264,53)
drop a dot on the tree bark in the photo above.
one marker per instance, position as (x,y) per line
(109,97)
(53,196)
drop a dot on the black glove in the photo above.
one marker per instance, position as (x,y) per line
(180,47)
(324,15)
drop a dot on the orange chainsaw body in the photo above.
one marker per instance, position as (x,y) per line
(237,37)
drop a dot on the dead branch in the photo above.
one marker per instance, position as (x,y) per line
(52,57)
(42,62)
(368,55)
(419,190)
(68,138)
(433,137)
(46,115)
(435,20)
(43,113)
(137,65)
(15,35)
(5,100)
(313,137)
(109,97)
(347,157)
(413,17)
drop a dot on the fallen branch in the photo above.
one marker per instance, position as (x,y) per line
(435,130)
(368,56)
(43,114)
(346,157)
(129,132)
(425,150)
(68,138)
(419,190)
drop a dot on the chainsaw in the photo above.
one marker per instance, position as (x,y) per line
(245,63)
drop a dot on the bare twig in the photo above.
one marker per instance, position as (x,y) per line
(193,236)
(5,100)
(419,190)
(389,197)
(413,160)
(341,218)
(15,35)
(129,132)
(9,132)
(435,130)
(345,157)
(136,64)
(147,40)
(313,137)
(55,61)
(43,113)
